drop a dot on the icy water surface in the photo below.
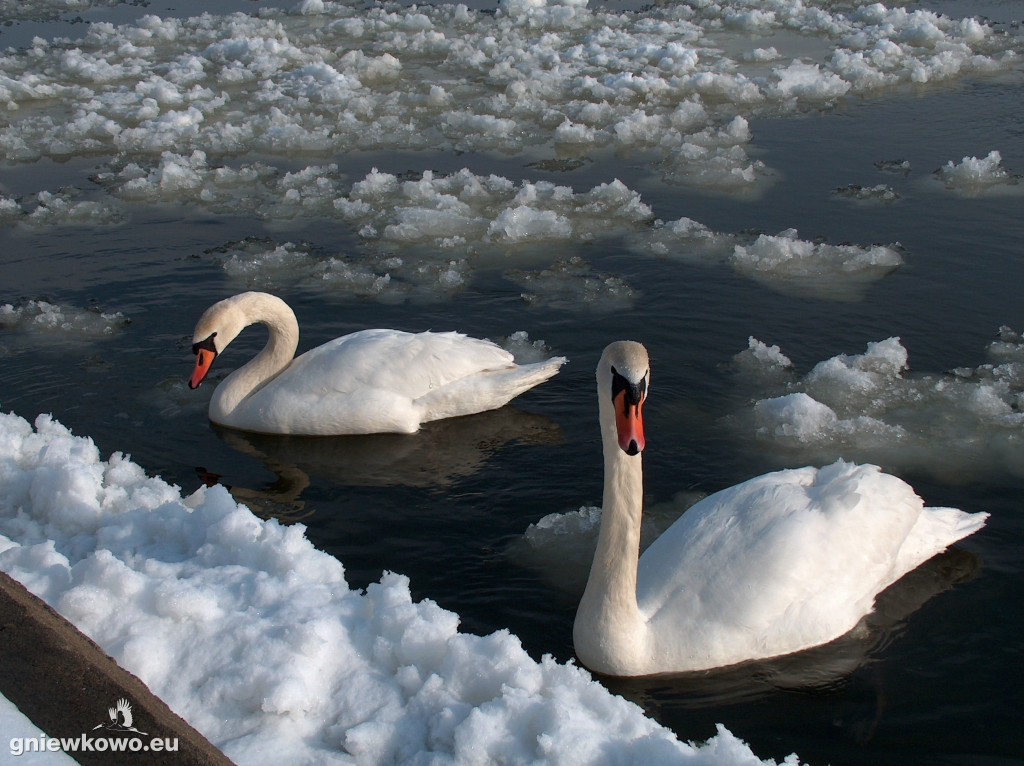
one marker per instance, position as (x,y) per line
(820,248)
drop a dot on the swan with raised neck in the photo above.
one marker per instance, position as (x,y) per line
(610,634)
(774,565)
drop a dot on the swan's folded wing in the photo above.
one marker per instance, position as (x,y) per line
(484,390)
(782,562)
(402,363)
(936,529)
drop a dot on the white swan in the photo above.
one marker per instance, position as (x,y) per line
(780,563)
(372,381)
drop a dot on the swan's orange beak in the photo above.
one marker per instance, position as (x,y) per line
(629,422)
(204,358)
(205,352)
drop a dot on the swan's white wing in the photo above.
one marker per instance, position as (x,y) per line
(782,562)
(405,364)
(376,381)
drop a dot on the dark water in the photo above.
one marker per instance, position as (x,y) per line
(938,679)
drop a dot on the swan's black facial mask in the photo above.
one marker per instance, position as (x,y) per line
(628,399)
(206,345)
(205,352)
(635,392)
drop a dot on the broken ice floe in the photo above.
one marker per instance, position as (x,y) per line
(869,406)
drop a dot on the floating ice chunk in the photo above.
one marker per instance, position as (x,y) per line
(760,55)
(973,176)
(799,418)
(191,179)
(685,239)
(524,350)
(39,316)
(783,262)
(574,133)
(516,8)
(762,363)
(867,406)
(1009,346)
(310,7)
(785,253)
(922,32)
(474,212)
(435,223)
(796,415)
(767,356)
(584,521)
(749,20)
(727,170)
(714,158)
(266,264)
(64,209)
(846,377)
(787,262)
(523,222)
(10,211)
(808,83)
(571,284)
(561,546)
(894,166)
(878,193)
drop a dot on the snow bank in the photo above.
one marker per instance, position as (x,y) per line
(253,635)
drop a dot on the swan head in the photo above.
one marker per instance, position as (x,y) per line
(217,327)
(623,381)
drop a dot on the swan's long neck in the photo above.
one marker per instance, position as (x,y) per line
(276,355)
(610,632)
(618,545)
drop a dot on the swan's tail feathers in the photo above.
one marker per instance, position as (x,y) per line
(486,390)
(935,530)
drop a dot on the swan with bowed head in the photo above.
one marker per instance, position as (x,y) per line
(371,381)
(783,562)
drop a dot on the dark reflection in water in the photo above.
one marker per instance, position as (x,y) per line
(839,692)
(439,455)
